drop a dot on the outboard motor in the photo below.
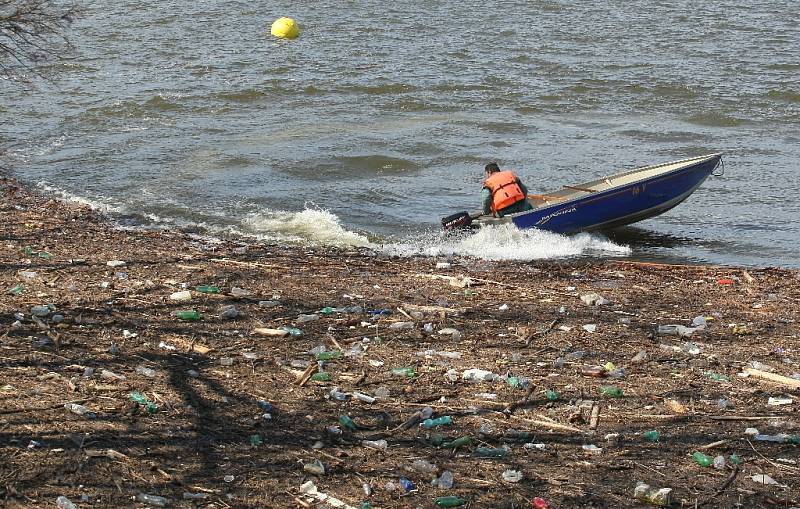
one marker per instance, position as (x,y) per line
(458,221)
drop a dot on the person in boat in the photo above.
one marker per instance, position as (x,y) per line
(503,192)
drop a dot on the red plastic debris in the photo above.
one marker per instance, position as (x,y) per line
(539,503)
(725,281)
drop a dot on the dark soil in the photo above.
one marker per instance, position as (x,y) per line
(209,437)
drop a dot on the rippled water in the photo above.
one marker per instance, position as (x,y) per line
(378,120)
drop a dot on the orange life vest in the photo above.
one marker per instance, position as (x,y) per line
(504,188)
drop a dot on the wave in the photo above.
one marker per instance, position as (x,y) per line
(506,242)
(789,96)
(715,119)
(311,225)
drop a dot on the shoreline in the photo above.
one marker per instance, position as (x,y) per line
(111,331)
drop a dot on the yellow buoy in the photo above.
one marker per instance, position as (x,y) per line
(285,28)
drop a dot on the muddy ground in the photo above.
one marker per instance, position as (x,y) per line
(233,422)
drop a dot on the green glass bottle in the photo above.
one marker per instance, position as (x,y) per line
(207,289)
(458,442)
(450,502)
(188,315)
(445,420)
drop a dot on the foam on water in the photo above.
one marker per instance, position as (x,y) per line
(310,225)
(99,204)
(506,242)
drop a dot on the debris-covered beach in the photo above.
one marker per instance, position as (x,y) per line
(150,368)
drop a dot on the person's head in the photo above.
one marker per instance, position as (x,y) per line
(491,168)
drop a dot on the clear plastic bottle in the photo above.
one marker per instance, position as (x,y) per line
(63,502)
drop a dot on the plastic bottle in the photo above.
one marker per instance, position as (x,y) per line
(152,500)
(458,442)
(450,501)
(16,290)
(320,377)
(410,371)
(444,481)
(660,497)
(327,356)
(64,503)
(719,462)
(347,422)
(551,394)
(188,315)
(702,459)
(611,391)
(491,452)
(380,445)
(407,485)
(439,421)
(293,331)
(207,289)
(327,310)
(80,410)
(651,436)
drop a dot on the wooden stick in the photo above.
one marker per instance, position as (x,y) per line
(772,377)
(302,379)
(713,444)
(595,416)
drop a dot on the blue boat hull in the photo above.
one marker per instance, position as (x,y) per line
(620,205)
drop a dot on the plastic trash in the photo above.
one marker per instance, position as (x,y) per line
(293,331)
(480,375)
(592,449)
(445,420)
(594,371)
(347,422)
(551,395)
(539,503)
(207,289)
(660,497)
(256,440)
(651,436)
(142,370)
(363,397)
(594,299)
(409,371)
(612,391)
(716,376)
(314,468)
(63,502)
(407,485)
(188,315)
(719,462)
(444,481)
(772,401)
(380,445)
(80,410)
(307,318)
(640,357)
(181,296)
(458,442)
(15,290)
(490,452)
(154,500)
(512,475)
(329,355)
(449,501)
(401,326)
(702,459)
(320,377)
(426,467)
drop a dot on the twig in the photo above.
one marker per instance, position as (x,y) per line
(595,418)
(722,488)
(713,444)
(541,333)
(778,465)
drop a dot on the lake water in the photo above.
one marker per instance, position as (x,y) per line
(378,120)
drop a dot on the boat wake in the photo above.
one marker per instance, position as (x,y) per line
(506,242)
